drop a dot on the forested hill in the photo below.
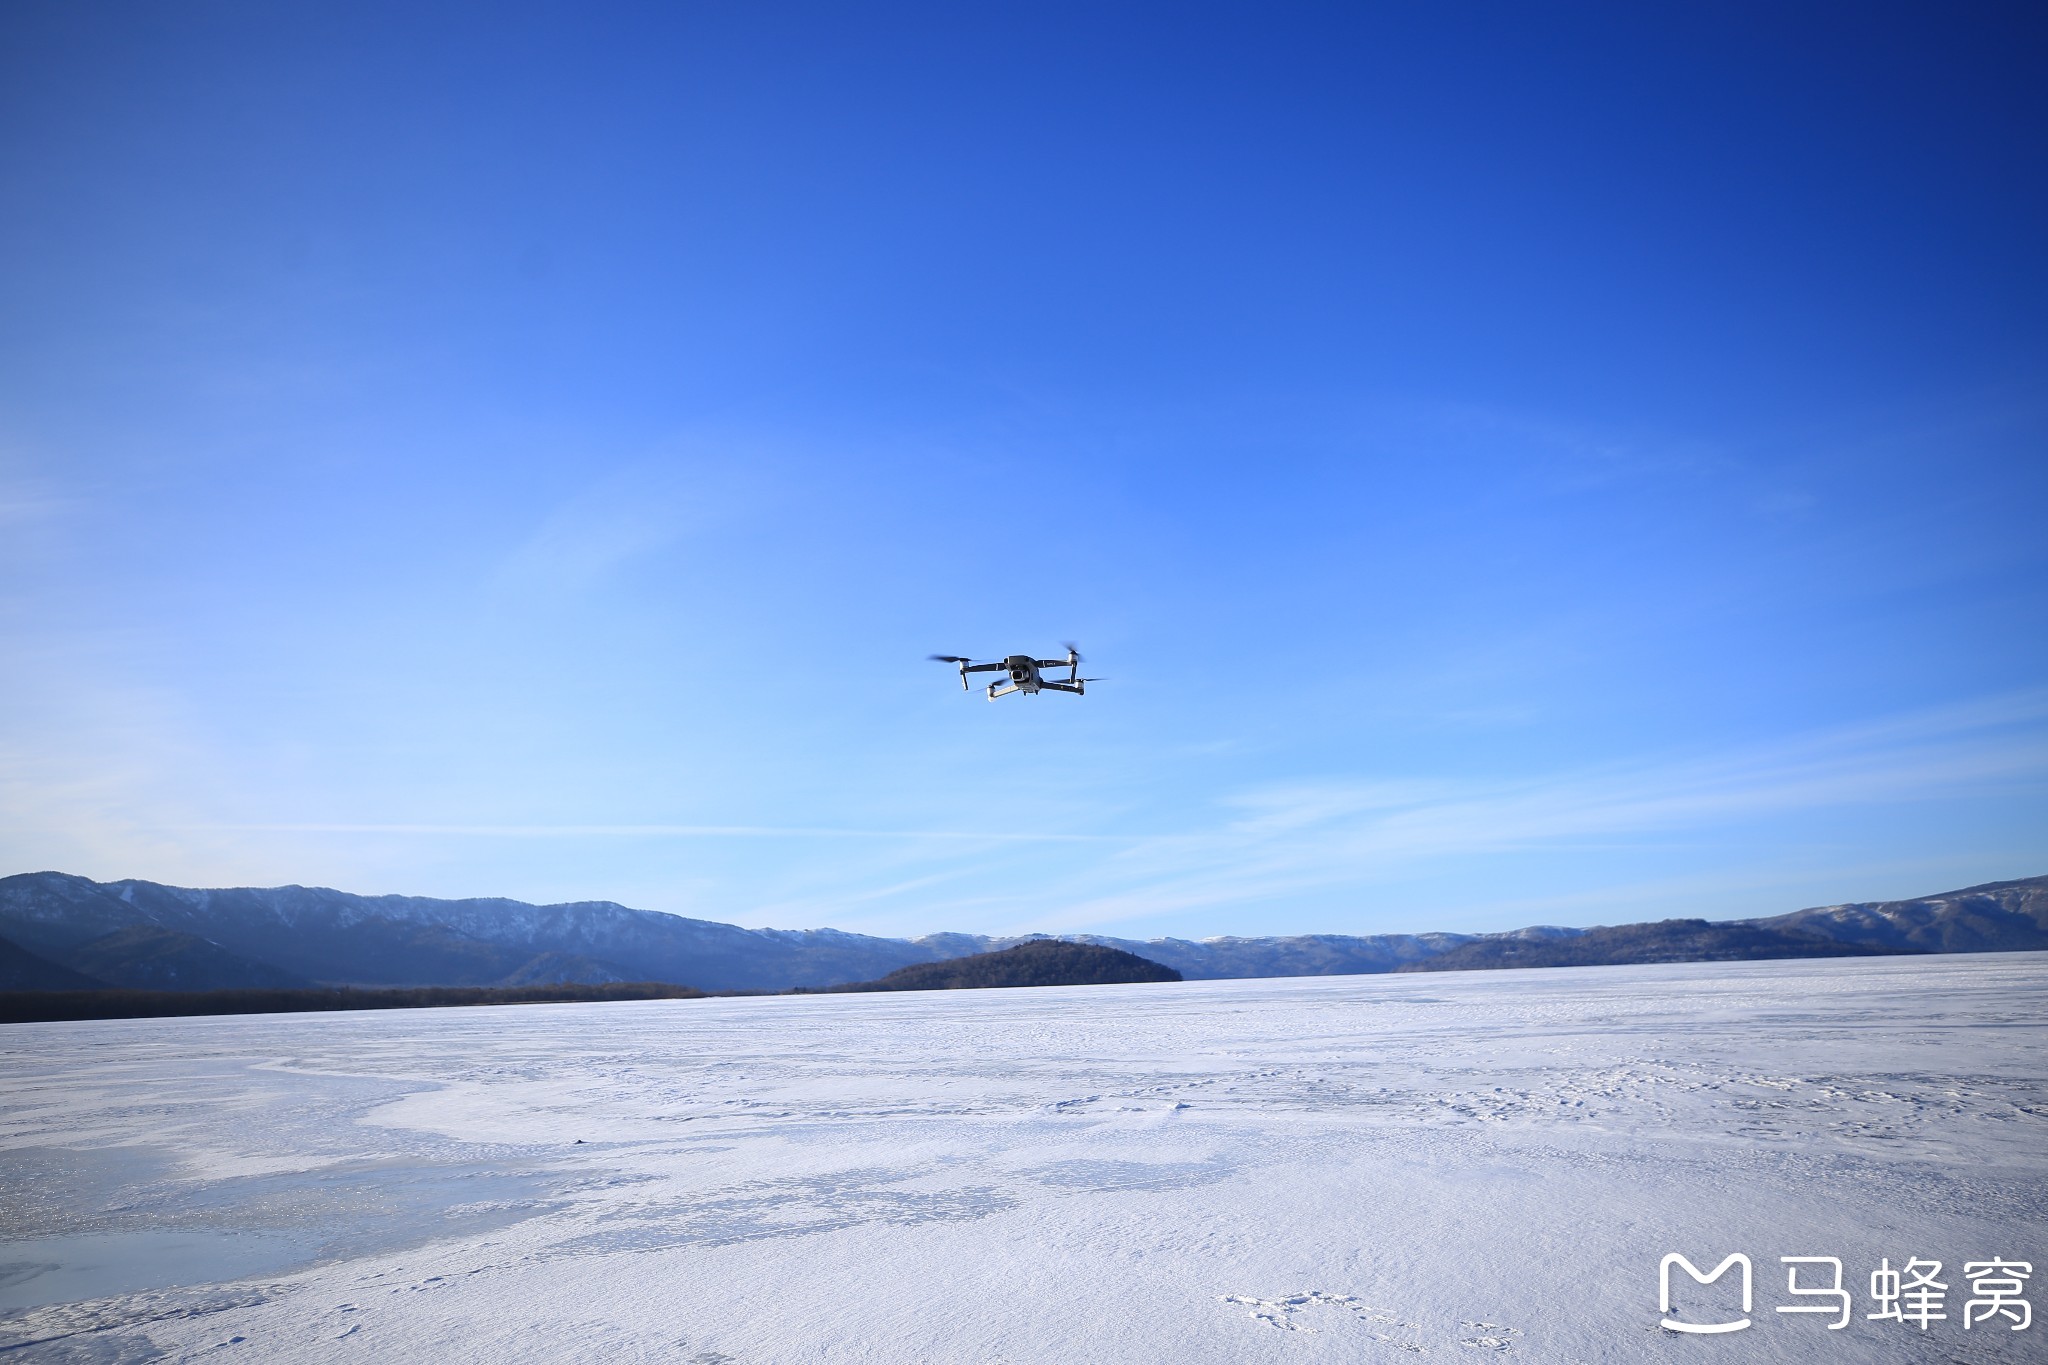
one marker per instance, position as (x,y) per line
(1041,962)
(1671,940)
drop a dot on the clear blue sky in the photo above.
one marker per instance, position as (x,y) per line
(1514,464)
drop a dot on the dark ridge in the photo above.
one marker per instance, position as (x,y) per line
(563,969)
(332,937)
(1041,962)
(24,1007)
(1671,940)
(148,957)
(22,970)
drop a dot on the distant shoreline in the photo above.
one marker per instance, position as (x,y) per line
(49,1007)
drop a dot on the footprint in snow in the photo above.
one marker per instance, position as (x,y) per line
(1490,1336)
(1281,1312)
(1284,1313)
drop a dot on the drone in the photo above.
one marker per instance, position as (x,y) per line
(1023,674)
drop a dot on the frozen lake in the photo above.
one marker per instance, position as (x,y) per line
(1321,1169)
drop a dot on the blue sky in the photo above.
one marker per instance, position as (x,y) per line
(1558,464)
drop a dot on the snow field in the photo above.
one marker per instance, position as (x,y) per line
(1455,1166)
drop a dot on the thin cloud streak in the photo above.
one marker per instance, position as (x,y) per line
(1269,843)
(675,831)
(1304,838)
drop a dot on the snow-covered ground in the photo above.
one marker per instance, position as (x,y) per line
(1328,1169)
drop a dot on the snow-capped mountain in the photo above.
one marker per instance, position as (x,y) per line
(1995,917)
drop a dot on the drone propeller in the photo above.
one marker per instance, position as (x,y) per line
(1072,649)
(954,659)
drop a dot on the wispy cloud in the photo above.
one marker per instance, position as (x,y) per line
(1281,840)
(1299,838)
(1256,849)
(678,831)
(1578,454)
(98,778)
(638,509)
(23,502)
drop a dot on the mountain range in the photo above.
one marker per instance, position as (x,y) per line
(63,932)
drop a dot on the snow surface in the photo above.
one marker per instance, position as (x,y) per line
(1348,1169)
